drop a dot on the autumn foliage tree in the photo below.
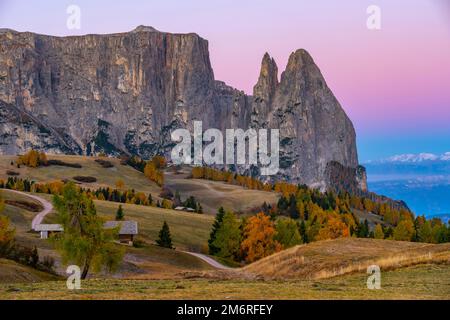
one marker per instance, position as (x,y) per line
(84,242)
(378,232)
(333,229)
(404,231)
(159,162)
(259,238)
(153,173)
(33,159)
(120,184)
(7,233)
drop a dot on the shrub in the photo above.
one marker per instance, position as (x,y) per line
(23,255)
(166,193)
(12,173)
(63,164)
(48,263)
(137,243)
(85,179)
(29,206)
(104,163)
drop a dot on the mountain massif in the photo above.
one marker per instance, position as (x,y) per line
(125,93)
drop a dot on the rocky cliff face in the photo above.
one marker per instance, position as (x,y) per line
(314,128)
(125,93)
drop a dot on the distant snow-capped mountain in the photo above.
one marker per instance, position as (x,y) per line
(411,164)
(413,158)
(422,180)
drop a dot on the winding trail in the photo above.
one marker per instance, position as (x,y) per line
(209,260)
(48,207)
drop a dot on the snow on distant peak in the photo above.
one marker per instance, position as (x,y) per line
(421,157)
(445,156)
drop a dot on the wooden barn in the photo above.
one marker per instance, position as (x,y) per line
(128,230)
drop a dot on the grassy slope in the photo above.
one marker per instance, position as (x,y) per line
(188,230)
(212,194)
(105,177)
(12,272)
(21,221)
(419,282)
(325,259)
(192,230)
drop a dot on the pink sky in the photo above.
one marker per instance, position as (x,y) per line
(391,82)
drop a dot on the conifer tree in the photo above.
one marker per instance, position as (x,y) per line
(364,230)
(302,230)
(213,250)
(120,214)
(229,237)
(164,238)
(150,199)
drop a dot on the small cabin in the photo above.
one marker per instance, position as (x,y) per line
(46,230)
(128,230)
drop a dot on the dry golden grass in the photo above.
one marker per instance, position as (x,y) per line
(326,259)
(132,178)
(418,282)
(214,194)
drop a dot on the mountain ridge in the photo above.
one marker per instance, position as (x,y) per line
(124,93)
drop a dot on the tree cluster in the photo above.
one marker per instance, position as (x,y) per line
(33,159)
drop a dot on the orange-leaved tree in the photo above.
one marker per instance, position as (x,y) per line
(153,173)
(6,232)
(259,238)
(333,229)
(33,159)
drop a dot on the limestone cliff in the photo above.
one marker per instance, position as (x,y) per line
(126,92)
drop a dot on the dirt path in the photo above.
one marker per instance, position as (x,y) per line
(208,260)
(48,207)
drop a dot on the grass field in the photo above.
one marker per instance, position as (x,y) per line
(418,282)
(330,258)
(132,178)
(213,194)
(188,230)
(210,194)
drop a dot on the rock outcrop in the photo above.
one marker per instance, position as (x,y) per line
(125,93)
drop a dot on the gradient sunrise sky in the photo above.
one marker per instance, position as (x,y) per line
(394,83)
